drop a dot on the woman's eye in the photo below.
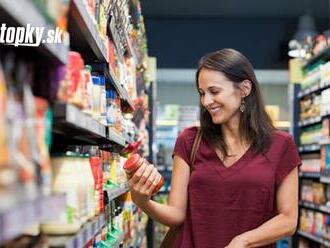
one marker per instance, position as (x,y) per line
(214,92)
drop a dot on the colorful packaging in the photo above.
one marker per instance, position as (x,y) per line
(4,159)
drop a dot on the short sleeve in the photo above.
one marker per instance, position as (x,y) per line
(288,161)
(184,143)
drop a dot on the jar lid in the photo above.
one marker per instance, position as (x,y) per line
(131,162)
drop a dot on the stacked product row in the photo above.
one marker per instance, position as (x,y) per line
(89,91)
(313,136)
(88,173)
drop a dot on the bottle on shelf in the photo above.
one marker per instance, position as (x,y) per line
(69,221)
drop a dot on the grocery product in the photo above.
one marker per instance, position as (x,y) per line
(69,222)
(133,163)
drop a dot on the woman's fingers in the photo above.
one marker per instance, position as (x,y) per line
(145,176)
(138,174)
(155,181)
(151,180)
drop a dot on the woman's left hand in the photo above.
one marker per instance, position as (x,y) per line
(237,242)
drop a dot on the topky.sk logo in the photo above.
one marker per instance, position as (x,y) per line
(29,35)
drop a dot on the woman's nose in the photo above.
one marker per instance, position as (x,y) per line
(207,100)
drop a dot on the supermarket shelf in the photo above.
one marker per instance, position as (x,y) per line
(325,141)
(131,50)
(121,90)
(325,179)
(325,54)
(23,212)
(86,233)
(104,69)
(317,207)
(26,12)
(314,238)
(114,136)
(310,121)
(113,193)
(314,88)
(84,30)
(309,174)
(309,148)
(73,123)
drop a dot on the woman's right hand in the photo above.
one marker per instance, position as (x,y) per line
(143,183)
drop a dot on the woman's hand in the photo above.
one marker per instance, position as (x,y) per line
(237,242)
(143,182)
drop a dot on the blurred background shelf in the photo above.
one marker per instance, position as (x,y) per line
(309,174)
(86,233)
(84,36)
(314,238)
(316,207)
(17,214)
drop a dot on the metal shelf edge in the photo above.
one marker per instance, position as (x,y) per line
(311,89)
(314,238)
(91,27)
(78,118)
(317,207)
(117,138)
(315,58)
(114,193)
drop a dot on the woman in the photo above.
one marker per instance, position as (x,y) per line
(242,190)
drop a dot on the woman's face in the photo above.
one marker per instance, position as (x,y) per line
(219,96)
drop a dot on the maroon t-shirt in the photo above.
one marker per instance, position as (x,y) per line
(225,202)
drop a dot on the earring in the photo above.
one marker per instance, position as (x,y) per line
(243,106)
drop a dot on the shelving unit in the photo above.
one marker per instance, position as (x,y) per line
(325,179)
(131,49)
(69,119)
(324,55)
(91,228)
(25,12)
(18,213)
(310,121)
(316,207)
(314,88)
(85,35)
(319,240)
(311,151)
(309,148)
(71,125)
(309,174)
(108,72)
(87,232)
(113,193)
(74,124)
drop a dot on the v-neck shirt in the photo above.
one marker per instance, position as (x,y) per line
(224,202)
(241,156)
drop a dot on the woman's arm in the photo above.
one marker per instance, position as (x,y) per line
(172,214)
(283,224)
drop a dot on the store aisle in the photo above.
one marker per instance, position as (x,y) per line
(73,107)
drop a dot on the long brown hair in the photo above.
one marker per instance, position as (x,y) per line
(255,124)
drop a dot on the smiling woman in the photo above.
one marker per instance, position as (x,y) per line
(229,91)
(235,180)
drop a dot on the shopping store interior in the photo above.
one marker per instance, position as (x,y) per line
(107,79)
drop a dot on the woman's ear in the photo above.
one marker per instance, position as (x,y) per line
(246,87)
